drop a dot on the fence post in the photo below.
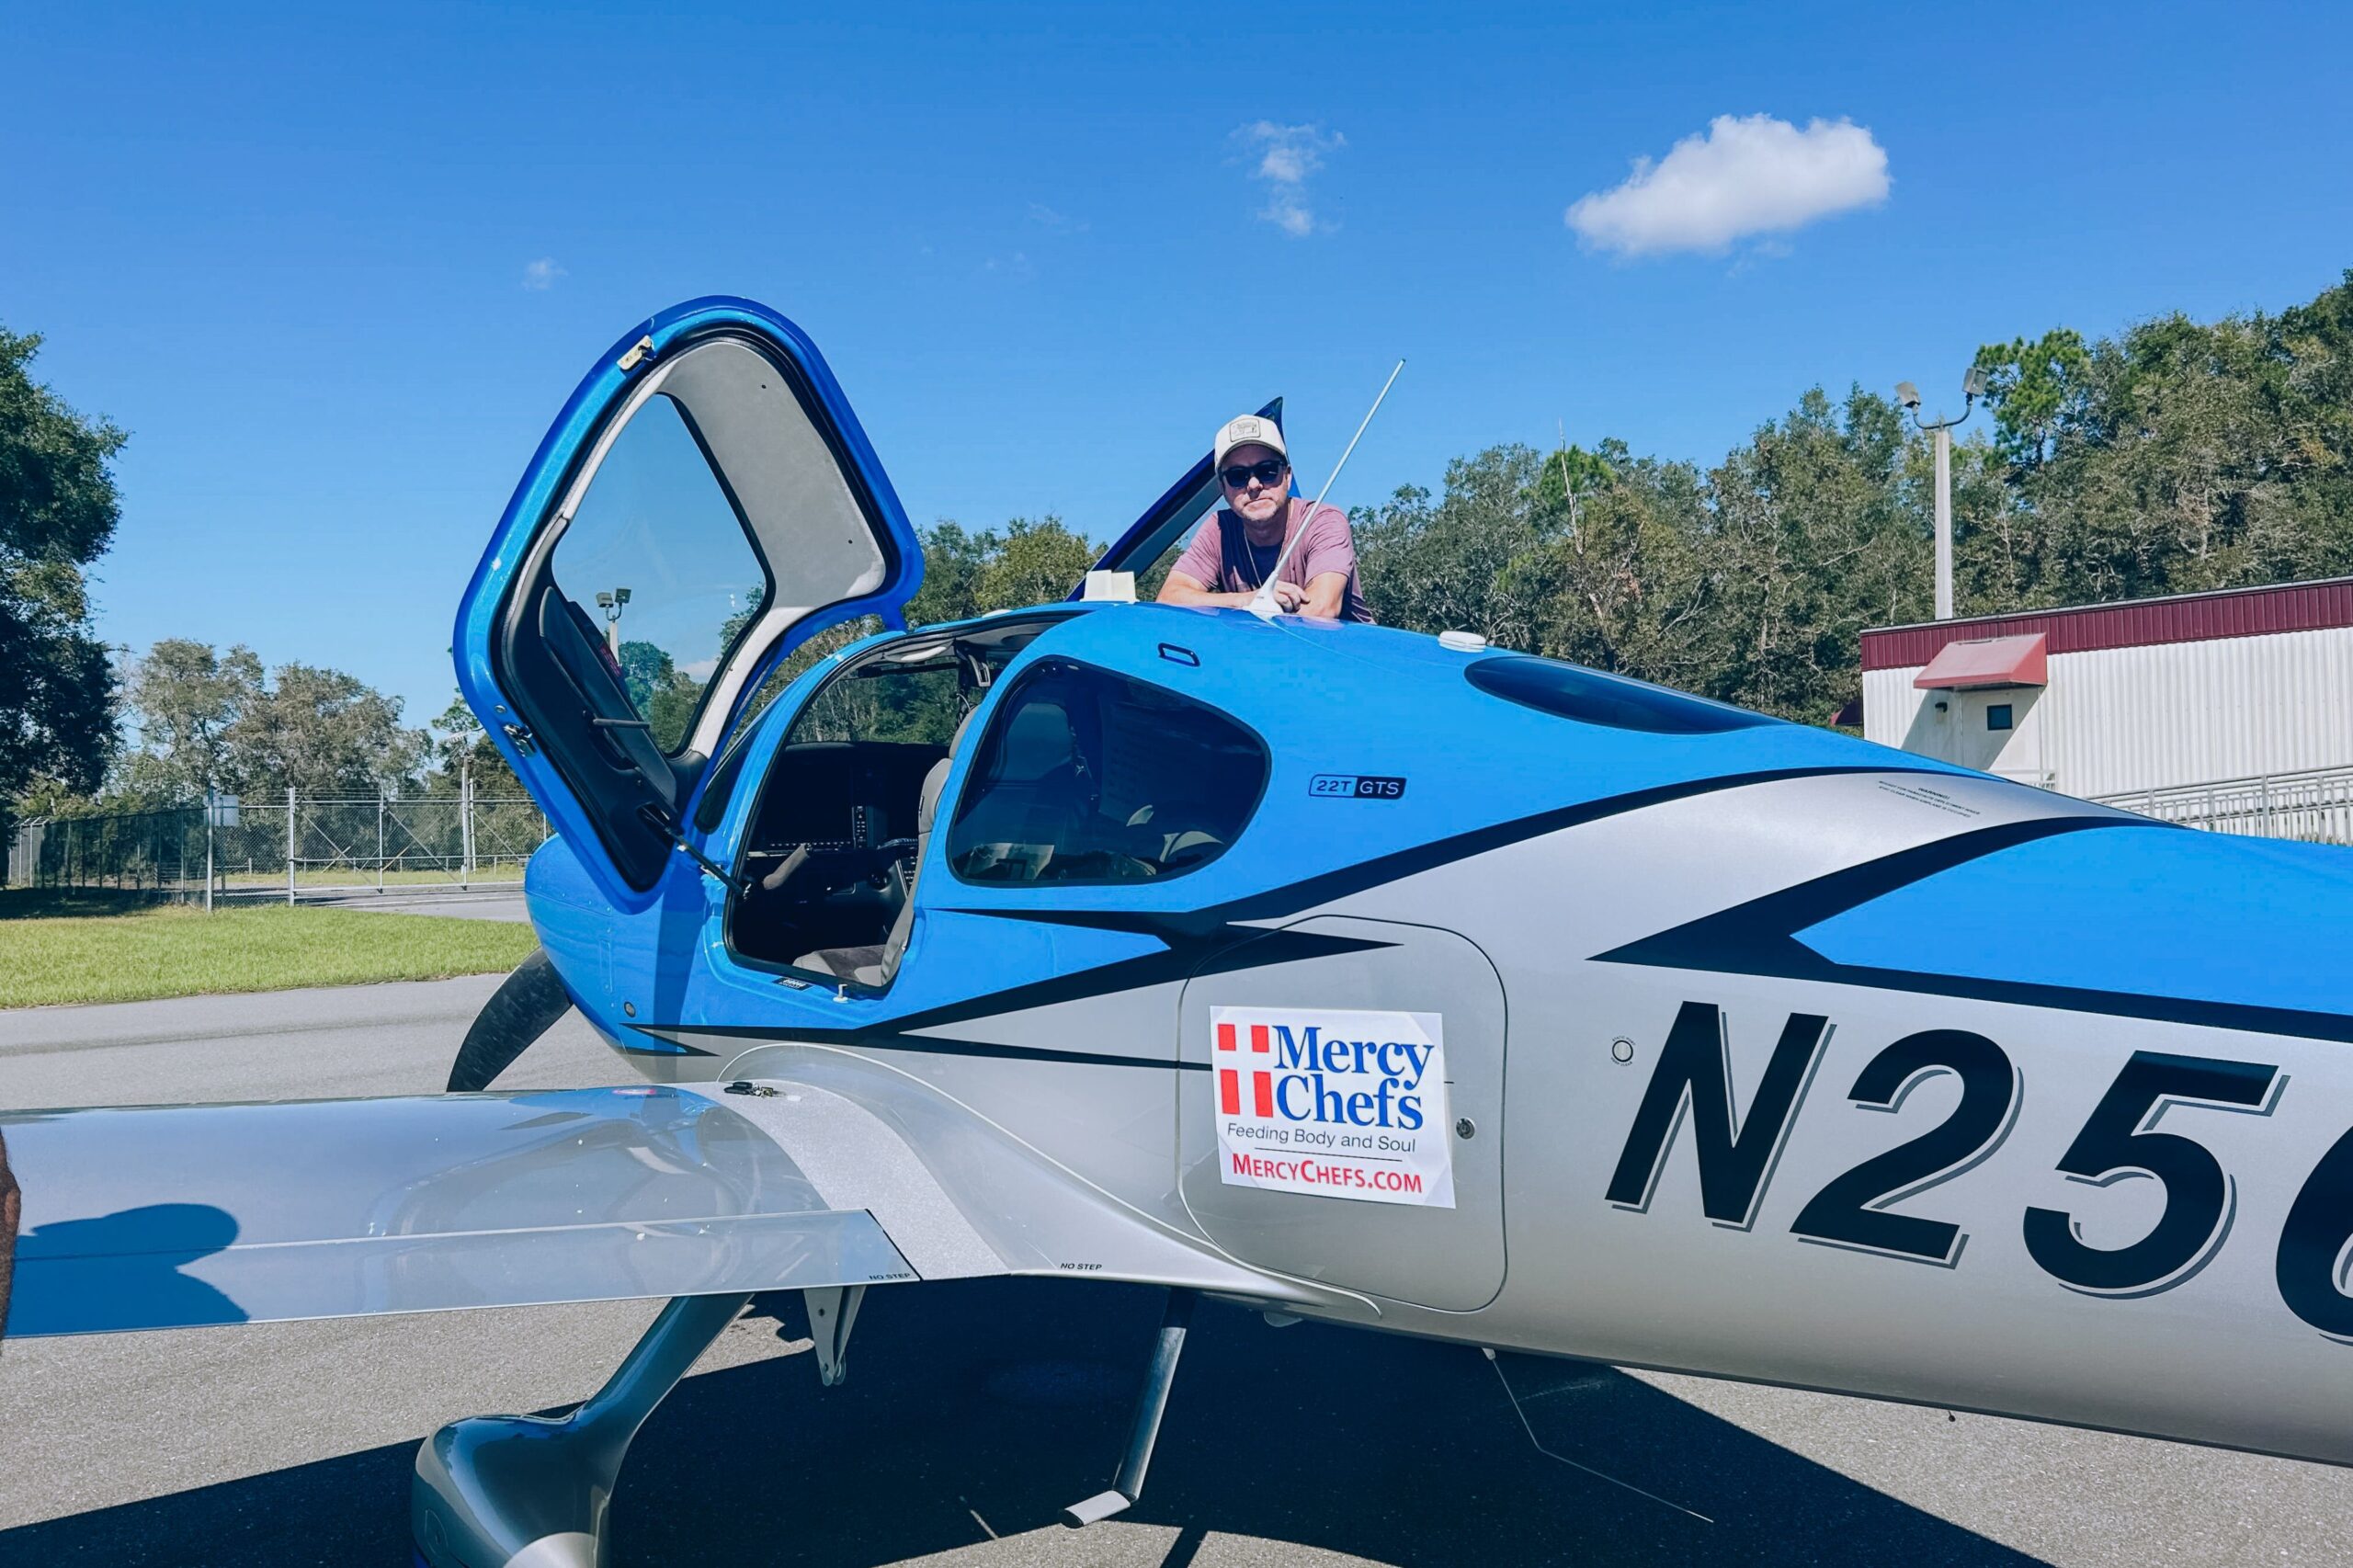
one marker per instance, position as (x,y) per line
(289,847)
(380,838)
(207,852)
(466,824)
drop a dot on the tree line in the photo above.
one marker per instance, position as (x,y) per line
(2175,456)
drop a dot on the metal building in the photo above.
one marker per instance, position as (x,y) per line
(2232,710)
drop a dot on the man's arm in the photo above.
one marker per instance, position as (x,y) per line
(1179,588)
(1189,580)
(1328,553)
(11,1209)
(1183,588)
(1326,592)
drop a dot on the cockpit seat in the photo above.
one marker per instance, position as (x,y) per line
(874,966)
(861,965)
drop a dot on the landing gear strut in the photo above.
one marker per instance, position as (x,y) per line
(530,1492)
(1151,1405)
(831,1312)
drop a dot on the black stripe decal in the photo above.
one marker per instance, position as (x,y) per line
(1294,898)
(942,1045)
(2247,1018)
(1259,949)
(1211,940)
(1759,937)
(1761,932)
(1173,965)
(669,1047)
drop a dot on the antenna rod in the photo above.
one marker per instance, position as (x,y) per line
(1263,604)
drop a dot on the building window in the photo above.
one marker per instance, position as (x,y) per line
(1088,776)
(1998,716)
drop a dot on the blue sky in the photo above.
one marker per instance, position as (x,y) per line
(293,252)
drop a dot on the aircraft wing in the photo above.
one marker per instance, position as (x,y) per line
(174,1217)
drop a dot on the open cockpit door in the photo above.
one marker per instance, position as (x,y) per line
(1165,521)
(705,502)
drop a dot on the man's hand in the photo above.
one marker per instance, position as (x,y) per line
(1320,598)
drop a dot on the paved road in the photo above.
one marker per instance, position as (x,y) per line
(466,903)
(974,1411)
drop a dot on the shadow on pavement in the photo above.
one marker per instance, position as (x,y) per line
(1003,1401)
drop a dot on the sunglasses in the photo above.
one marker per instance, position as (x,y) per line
(1265,474)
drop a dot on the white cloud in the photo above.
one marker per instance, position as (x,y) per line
(1287,211)
(1060,223)
(540,275)
(1286,156)
(1744,175)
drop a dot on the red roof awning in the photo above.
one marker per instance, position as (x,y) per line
(1986,662)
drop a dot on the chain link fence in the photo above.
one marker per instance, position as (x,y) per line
(320,846)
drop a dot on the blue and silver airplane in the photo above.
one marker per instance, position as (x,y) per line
(1332,970)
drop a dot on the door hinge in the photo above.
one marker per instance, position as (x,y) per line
(519,735)
(639,352)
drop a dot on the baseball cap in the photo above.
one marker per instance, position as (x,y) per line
(1249,430)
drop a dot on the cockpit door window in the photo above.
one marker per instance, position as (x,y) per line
(705,502)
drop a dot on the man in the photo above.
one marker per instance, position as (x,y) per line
(1235,549)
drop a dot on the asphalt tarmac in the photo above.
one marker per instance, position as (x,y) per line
(973,1412)
(481,902)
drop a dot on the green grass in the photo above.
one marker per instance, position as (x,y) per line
(92,947)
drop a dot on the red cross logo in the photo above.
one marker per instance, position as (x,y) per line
(1229,1079)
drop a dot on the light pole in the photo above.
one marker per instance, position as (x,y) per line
(1972,386)
(613,604)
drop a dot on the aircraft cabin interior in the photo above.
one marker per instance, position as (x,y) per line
(1082,775)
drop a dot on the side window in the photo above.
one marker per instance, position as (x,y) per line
(1088,776)
(1620,702)
(659,570)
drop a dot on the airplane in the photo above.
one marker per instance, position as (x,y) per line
(1332,970)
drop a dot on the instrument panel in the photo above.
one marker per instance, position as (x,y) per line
(841,795)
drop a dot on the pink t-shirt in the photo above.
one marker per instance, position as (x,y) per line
(1223,559)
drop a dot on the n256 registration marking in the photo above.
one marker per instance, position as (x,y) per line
(1689,1097)
(1357,787)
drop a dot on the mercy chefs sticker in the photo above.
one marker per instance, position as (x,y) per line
(1333,1102)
